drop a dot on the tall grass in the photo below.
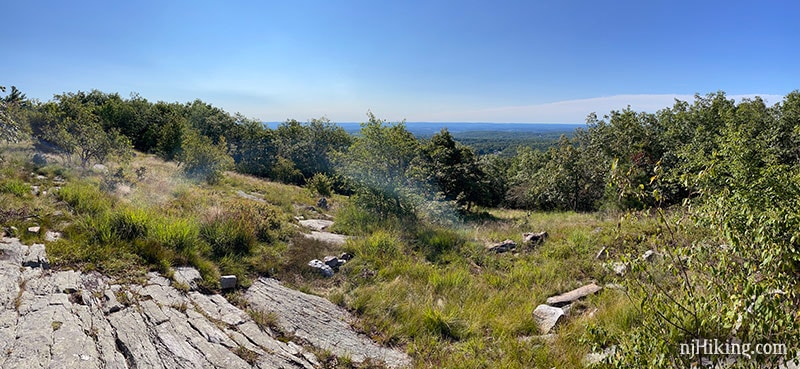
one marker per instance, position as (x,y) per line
(15,187)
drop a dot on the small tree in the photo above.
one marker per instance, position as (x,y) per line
(10,128)
(202,159)
(378,165)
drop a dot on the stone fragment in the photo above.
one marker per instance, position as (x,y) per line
(227,282)
(36,257)
(504,246)
(321,267)
(34,229)
(650,256)
(51,236)
(188,276)
(574,295)
(333,262)
(619,268)
(532,239)
(548,317)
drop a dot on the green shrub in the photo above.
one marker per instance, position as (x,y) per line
(202,159)
(321,184)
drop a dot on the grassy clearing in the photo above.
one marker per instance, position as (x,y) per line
(440,293)
(146,216)
(433,290)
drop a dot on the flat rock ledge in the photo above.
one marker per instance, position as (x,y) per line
(332,238)
(320,323)
(70,319)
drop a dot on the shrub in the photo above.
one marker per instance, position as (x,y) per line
(321,184)
(203,160)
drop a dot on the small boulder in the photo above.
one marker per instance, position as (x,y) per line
(35,229)
(99,168)
(322,203)
(504,246)
(533,239)
(316,224)
(51,236)
(548,317)
(321,267)
(619,268)
(333,262)
(227,282)
(650,256)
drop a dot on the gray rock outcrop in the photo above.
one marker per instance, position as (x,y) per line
(70,319)
(319,322)
(332,238)
(316,224)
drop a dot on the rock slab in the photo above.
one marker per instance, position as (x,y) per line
(316,224)
(574,295)
(320,323)
(69,319)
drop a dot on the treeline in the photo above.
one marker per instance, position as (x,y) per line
(626,160)
(90,127)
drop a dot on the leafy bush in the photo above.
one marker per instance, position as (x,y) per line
(321,184)
(202,159)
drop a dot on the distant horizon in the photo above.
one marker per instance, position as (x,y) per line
(422,61)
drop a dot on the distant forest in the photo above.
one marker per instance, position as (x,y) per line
(623,160)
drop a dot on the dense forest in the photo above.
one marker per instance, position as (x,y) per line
(721,178)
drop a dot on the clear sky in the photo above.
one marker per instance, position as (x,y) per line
(430,60)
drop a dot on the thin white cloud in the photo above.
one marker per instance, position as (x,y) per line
(575,111)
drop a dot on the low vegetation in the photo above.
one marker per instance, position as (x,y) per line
(711,188)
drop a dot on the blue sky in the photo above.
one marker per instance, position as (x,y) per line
(489,61)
